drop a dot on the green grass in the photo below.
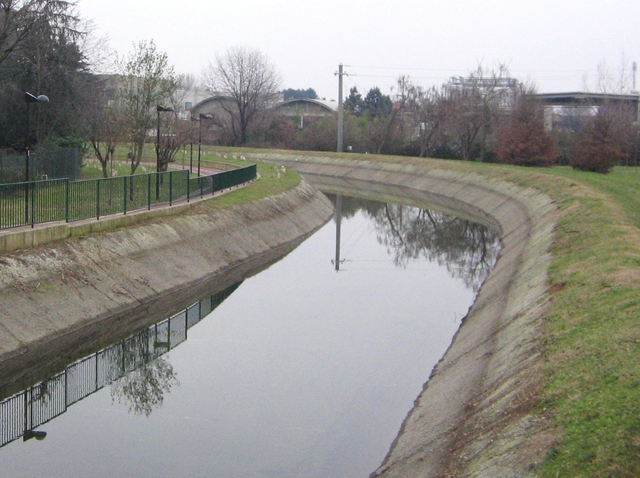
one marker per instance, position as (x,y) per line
(592,339)
(273,180)
(93,170)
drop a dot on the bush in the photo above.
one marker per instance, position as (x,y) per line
(523,140)
(598,148)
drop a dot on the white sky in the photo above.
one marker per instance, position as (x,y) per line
(552,43)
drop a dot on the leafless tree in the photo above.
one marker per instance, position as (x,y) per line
(247,83)
(426,113)
(474,104)
(101,58)
(104,124)
(610,79)
(386,131)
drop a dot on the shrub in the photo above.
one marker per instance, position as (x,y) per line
(598,148)
(523,140)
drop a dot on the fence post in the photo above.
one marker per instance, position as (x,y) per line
(66,201)
(170,188)
(188,187)
(149,191)
(124,195)
(33,206)
(98,199)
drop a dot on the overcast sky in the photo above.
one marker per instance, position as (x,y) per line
(555,44)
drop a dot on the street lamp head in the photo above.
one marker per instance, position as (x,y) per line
(204,116)
(163,108)
(29,98)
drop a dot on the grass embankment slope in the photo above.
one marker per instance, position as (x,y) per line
(592,336)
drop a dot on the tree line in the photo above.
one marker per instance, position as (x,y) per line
(487,116)
(100,101)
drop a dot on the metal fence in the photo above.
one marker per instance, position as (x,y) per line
(37,202)
(49,162)
(23,412)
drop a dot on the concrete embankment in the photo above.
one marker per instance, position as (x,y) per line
(477,414)
(66,298)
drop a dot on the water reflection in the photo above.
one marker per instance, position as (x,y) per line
(139,375)
(467,249)
(302,372)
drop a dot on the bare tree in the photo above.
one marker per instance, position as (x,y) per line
(610,79)
(176,133)
(426,114)
(101,58)
(388,127)
(249,81)
(104,125)
(475,103)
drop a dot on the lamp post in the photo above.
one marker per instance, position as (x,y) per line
(159,109)
(29,98)
(200,118)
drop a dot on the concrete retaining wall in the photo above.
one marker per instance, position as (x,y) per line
(63,299)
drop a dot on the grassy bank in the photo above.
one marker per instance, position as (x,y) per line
(273,180)
(591,342)
(592,338)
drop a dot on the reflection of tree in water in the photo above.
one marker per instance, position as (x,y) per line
(467,249)
(143,389)
(148,375)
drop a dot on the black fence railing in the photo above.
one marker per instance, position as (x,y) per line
(44,163)
(23,412)
(36,202)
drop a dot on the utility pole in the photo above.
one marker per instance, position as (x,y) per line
(340,74)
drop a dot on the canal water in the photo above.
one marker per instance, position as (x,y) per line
(304,370)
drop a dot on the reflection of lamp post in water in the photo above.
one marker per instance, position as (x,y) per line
(38,435)
(200,118)
(29,98)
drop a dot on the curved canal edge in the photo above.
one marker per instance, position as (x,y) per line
(477,414)
(62,300)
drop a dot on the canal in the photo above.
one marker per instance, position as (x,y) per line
(304,370)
